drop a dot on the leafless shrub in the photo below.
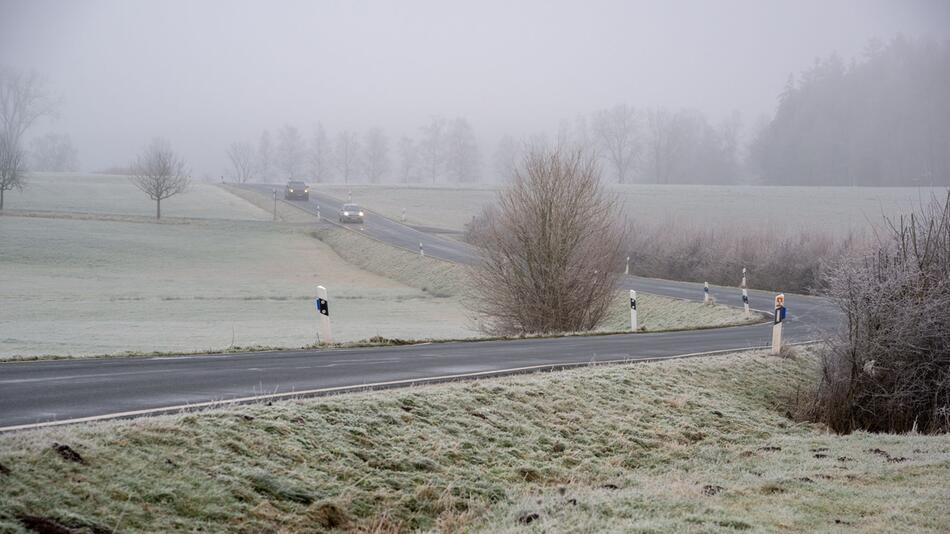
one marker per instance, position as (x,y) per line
(550,248)
(888,369)
(159,173)
(791,262)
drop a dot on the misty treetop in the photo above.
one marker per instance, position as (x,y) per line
(880,121)
(446,151)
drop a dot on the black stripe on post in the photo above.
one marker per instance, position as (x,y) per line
(323,307)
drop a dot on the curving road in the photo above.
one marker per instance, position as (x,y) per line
(56,392)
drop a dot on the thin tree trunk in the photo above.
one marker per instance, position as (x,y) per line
(1,198)
(158,208)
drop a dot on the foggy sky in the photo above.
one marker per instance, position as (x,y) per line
(204,74)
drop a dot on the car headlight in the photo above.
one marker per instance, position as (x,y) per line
(291,190)
(361,214)
(307,190)
(346,214)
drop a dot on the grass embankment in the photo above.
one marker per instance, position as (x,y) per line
(657,314)
(691,444)
(444,279)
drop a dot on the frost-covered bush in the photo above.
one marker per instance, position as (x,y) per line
(888,368)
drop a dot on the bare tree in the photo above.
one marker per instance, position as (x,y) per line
(54,153)
(506,158)
(346,154)
(242,159)
(408,160)
(265,157)
(319,154)
(616,133)
(11,166)
(665,143)
(376,155)
(551,248)
(290,151)
(461,151)
(23,101)
(159,173)
(432,148)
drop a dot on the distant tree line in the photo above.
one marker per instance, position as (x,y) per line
(656,145)
(884,120)
(53,153)
(881,120)
(445,151)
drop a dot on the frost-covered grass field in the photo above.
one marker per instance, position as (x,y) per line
(689,445)
(97,287)
(836,210)
(113,281)
(115,195)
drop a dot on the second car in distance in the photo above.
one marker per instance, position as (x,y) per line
(351,213)
(296,190)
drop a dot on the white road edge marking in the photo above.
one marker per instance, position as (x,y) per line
(371,386)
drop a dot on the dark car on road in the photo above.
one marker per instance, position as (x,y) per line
(351,213)
(296,191)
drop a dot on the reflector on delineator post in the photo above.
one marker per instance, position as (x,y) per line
(780,313)
(745,295)
(633,311)
(324,333)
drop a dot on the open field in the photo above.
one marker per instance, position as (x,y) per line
(695,444)
(836,210)
(73,285)
(96,287)
(110,194)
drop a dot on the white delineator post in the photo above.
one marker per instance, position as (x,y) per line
(318,212)
(633,311)
(421,252)
(323,308)
(275,203)
(404,215)
(626,270)
(745,294)
(779,320)
(705,292)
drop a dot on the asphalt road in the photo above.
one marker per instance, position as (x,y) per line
(381,228)
(53,392)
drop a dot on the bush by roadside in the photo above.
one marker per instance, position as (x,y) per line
(791,262)
(888,368)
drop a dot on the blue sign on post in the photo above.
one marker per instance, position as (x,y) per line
(780,314)
(322,307)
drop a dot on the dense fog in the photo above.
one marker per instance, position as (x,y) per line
(449,92)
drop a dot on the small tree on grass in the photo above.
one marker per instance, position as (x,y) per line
(23,101)
(11,166)
(551,247)
(888,368)
(159,173)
